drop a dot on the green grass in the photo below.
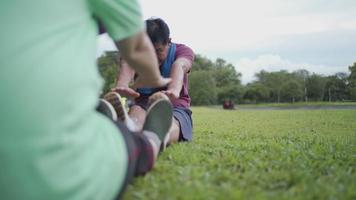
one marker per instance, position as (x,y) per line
(317,103)
(250,154)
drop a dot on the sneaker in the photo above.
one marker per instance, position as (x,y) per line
(114,99)
(159,120)
(105,108)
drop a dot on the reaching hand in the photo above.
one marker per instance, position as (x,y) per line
(126,91)
(145,82)
(172,95)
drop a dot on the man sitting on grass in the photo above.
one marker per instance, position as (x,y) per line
(175,61)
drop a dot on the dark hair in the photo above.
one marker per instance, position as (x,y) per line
(157,30)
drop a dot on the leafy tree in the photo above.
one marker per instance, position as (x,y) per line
(230,92)
(108,68)
(316,87)
(352,76)
(227,81)
(202,63)
(352,82)
(256,93)
(226,75)
(336,87)
(352,91)
(274,81)
(292,91)
(202,88)
(302,76)
(219,63)
(262,77)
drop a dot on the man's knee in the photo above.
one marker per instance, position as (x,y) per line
(135,109)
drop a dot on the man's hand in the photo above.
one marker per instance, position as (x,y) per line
(126,91)
(172,95)
(146,81)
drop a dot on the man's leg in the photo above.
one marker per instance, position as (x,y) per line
(174,132)
(142,146)
(181,128)
(182,125)
(142,142)
(142,154)
(138,115)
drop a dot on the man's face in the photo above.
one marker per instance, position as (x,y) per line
(161,51)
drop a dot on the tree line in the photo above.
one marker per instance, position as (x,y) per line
(213,82)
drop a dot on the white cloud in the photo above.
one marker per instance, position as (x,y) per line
(269,62)
(240,24)
(231,25)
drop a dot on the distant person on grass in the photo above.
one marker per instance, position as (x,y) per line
(53,142)
(175,61)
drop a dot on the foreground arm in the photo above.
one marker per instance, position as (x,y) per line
(124,77)
(139,54)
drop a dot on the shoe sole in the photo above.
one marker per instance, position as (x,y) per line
(115,100)
(107,109)
(159,118)
(155,97)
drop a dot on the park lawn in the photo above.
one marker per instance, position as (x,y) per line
(297,104)
(258,154)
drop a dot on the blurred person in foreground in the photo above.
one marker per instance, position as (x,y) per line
(54,144)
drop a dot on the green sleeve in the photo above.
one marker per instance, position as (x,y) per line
(121,18)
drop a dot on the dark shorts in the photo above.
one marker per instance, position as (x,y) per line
(140,155)
(141,101)
(184,117)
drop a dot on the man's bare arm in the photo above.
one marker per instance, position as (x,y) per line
(179,68)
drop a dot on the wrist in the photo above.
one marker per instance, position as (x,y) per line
(122,85)
(174,91)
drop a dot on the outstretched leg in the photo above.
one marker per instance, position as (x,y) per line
(142,147)
(182,125)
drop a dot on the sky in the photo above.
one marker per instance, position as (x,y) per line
(255,35)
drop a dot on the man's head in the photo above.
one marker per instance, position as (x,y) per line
(158,32)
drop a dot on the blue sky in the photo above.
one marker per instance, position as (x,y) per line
(317,35)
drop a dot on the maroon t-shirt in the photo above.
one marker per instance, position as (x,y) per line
(182,51)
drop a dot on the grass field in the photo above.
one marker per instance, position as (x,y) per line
(297,104)
(252,154)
